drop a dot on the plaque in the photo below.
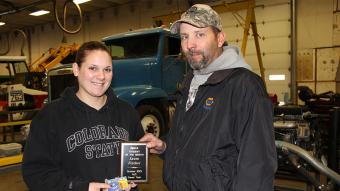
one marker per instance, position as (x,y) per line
(134,161)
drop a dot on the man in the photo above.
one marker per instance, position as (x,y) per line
(222,136)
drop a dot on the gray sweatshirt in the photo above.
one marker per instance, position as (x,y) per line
(230,58)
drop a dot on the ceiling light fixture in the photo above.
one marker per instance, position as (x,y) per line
(39,13)
(2,23)
(80,1)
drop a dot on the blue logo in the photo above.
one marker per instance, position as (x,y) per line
(209,102)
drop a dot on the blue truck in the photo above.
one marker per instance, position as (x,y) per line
(148,70)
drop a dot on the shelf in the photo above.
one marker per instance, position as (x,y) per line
(4,161)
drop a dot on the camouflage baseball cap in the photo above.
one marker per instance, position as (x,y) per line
(199,15)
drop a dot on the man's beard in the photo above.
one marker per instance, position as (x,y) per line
(194,64)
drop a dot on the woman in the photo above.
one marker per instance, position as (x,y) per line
(74,141)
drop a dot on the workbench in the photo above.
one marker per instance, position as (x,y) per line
(10,122)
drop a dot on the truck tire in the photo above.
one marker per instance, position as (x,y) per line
(151,119)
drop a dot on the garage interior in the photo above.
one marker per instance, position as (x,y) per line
(294,46)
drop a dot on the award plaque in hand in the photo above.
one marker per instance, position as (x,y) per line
(134,161)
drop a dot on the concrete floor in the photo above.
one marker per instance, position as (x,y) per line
(11,178)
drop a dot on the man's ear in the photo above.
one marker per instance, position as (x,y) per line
(75,69)
(220,39)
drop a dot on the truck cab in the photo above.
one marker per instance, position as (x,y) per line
(147,72)
(19,88)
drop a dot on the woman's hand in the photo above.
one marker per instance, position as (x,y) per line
(96,186)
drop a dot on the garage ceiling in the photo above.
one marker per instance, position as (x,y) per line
(15,13)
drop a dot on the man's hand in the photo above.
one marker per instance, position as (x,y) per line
(131,185)
(155,145)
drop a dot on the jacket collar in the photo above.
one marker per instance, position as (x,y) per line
(215,78)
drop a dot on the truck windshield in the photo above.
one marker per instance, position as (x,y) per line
(12,70)
(134,47)
(13,67)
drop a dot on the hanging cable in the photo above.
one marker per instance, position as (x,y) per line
(64,39)
(9,37)
(63,26)
(8,47)
(23,42)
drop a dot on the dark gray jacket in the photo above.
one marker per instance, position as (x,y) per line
(225,141)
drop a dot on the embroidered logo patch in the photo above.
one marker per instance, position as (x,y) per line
(209,102)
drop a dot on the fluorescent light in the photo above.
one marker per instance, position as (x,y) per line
(281,103)
(277,77)
(39,13)
(80,1)
(2,23)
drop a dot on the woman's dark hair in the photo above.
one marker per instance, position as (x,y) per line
(87,47)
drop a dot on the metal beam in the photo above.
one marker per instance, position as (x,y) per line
(257,46)
(293,58)
(225,7)
(233,7)
(250,10)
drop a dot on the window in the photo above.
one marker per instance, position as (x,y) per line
(174,46)
(20,67)
(134,47)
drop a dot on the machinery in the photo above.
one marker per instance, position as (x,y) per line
(19,88)
(64,54)
(307,140)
